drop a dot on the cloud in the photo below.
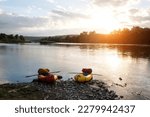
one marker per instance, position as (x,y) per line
(134,11)
(148,11)
(57,21)
(51,1)
(11,22)
(3,0)
(140,17)
(20,21)
(32,8)
(114,3)
(1,11)
(56,18)
(67,14)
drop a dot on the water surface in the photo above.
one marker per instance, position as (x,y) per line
(131,63)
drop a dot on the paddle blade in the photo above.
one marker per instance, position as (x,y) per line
(31,75)
(59,77)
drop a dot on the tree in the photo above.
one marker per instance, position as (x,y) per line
(22,38)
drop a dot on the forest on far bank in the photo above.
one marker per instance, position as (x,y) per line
(135,35)
(4,38)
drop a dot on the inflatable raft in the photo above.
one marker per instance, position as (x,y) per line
(49,78)
(45,76)
(83,78)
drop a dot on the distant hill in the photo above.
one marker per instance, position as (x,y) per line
(33,39)
(38,39)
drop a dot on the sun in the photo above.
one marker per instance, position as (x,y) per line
(104,20)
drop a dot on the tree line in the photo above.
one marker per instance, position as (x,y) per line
(4,38)
(135,35)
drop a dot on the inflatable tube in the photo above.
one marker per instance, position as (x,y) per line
(82,78)
(48,78)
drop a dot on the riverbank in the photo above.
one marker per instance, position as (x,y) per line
(61,90)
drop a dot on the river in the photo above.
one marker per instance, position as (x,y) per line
(130,63)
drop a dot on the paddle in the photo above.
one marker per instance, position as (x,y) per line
(81,73)
(37,74)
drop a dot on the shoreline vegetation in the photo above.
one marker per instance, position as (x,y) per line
(61,90)
(135,35)
(4,38)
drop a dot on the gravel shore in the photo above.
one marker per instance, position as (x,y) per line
(61,90)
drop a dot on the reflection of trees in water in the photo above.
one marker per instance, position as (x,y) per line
(134,51)
(2,49)
(92,47)
(80,45)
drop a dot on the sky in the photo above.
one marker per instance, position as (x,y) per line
(62,17)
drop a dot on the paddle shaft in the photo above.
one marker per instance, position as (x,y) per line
(82,73)
(37,74)
(32,75)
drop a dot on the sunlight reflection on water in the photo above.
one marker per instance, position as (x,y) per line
(129,62)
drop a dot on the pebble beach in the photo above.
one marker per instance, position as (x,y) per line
(60,90)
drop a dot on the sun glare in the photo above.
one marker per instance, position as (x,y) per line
(105,20)
(113,61)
